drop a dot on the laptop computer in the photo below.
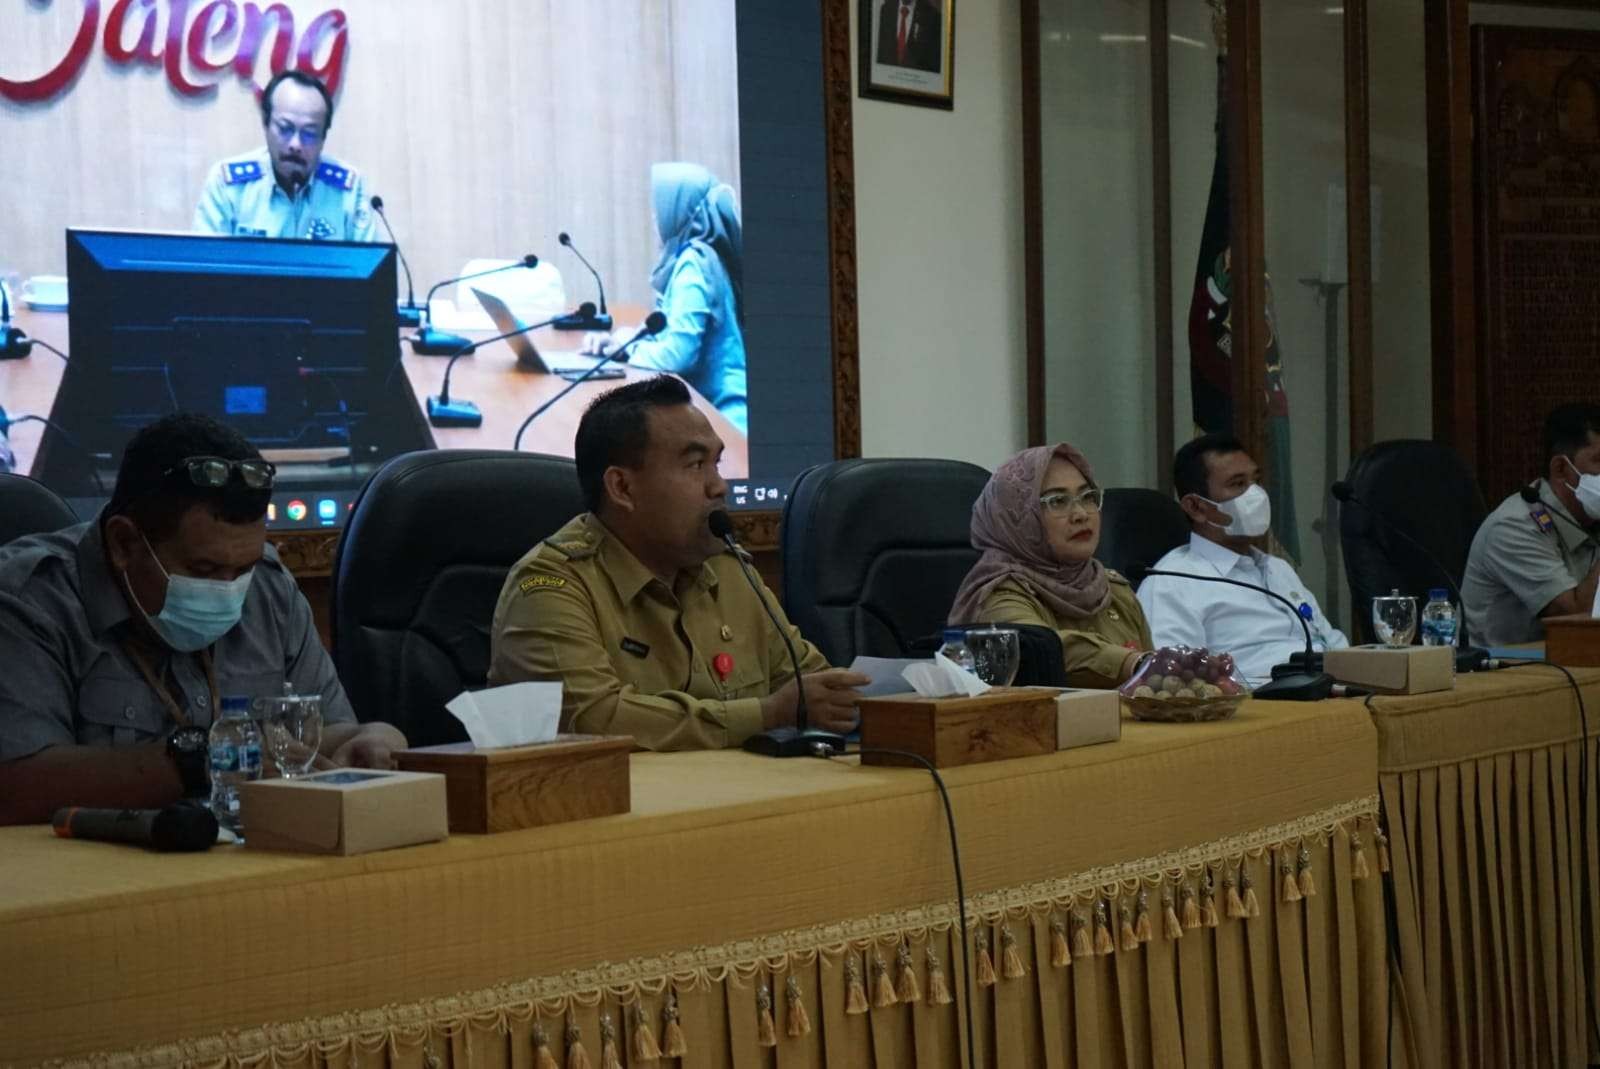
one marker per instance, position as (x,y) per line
(507,322)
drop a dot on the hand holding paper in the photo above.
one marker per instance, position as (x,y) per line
(512,715)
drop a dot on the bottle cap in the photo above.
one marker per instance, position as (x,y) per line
(1438,593)
(235,704)
(955,634)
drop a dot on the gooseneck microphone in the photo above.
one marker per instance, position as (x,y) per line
(1469,658)
(442,411)
(800,740)
(14,343)
(181,827)
(1292,686)
(577,320)
(410,314)
(429,342)
(654,324)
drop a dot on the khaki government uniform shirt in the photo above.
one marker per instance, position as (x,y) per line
(1524,556)
(635,657)
(1095,647)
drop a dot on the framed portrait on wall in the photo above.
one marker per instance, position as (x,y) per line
(907,51)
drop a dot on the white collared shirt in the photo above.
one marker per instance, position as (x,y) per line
(1257,630)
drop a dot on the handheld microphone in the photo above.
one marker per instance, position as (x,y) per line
(14,343)
(181,827)
(1291,686)
(654,323)
(409,314)
(577,320)
(443,412)
(800,740)
(429,342)
(1469,658)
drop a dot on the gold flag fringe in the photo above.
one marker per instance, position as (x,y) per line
(1060,955)
(542,1058)
(799,1019)
(766,1031)
(855,996)
(673,1043)
(883,994)
(577,1057)
(1011,960)
(938,988)
(1169,916)
(910,989)
(1308,886)
(985,965)
(608,1043)
(645,1048)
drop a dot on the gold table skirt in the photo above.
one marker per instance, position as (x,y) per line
(677,928)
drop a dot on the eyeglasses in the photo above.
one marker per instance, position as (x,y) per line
(1061,502)
(286,131)
(212,473)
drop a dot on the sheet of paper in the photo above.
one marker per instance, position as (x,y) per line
(513,715)
(886,674)
(943,678)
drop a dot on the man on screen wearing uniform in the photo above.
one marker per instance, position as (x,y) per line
(1537,554)
(288,189)
(639,611)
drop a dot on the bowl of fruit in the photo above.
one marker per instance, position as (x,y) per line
(1177,684)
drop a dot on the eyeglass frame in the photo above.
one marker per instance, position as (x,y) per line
(1090,500)
(287,131)
(190,465)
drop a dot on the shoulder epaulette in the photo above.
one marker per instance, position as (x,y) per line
(570,548)
(241,172)
(1540,515)
(331,173)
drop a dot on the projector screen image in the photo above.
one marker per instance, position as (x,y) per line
(176,242)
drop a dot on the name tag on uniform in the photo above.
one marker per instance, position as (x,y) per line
(635,647)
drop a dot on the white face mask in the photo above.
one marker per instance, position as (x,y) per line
(1251,512)
(1587,491)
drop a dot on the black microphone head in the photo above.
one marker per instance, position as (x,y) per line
(564,237)
(721,524)
(1342,490)
(183,827)
(377,203)
(530,261)
(655,322)
(586,309)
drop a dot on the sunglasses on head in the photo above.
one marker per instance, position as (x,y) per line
(213,473)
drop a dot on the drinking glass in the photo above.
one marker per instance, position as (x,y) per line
(1394,619)
(996,653)
(292,724)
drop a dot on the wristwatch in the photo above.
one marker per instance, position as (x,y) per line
(187,747)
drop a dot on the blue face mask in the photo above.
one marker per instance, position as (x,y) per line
(197,612)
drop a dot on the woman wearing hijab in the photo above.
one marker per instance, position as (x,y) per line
(699,280)
(1037,524)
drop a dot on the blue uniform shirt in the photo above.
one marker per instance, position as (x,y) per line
(242,198)
(702,341)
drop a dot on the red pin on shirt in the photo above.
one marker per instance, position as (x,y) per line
(722,663)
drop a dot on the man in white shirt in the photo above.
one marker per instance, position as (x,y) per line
(1217,485)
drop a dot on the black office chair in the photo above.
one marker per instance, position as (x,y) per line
(28,506)
(1423,489)
(874,550)
(428,545)
(1138,527)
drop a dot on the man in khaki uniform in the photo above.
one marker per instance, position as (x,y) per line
(640,611)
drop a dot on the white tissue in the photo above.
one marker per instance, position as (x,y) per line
(513,715)
(943,678)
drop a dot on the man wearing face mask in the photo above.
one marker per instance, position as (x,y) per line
(1230,514)
(120,637)
(1538,553)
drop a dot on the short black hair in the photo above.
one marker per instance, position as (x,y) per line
(310,81)
(615,430)
(1189,475)
(156,497)
(1567,429)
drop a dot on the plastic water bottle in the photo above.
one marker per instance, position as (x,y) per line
(955,648)
(235,759)
(1438,619)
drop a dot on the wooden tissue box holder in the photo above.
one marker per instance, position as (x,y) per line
(1003,723)
(1572,641)
(575,777)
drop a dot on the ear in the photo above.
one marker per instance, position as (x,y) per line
(1556,471)
(122,540)
(619,488)
(1199,511)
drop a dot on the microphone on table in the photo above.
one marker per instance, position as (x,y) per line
(800,740)
(442,411)
(654,324)
(14,343)
(410,314)
(429,342)
(577,320)
(180,827)
(1469,658)
(1295,685)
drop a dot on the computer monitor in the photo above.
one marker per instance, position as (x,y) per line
(293,343)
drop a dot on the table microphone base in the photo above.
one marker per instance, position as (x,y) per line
(453,413)
(1296,687)
(792,742)
(1471,659)
(430,342)
(409,315)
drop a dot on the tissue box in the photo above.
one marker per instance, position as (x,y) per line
(1004,722)
(1407,670)
(1085,717)
(343,811)
(1573,641)
(509,787)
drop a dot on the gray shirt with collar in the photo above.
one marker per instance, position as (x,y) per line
(65,677)
(1524,556)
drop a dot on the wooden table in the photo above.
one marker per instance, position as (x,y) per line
(491,377)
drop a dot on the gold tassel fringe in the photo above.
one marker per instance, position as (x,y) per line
(542,1058)
(910,990)
(938,990)
(1169,916)
(1191,908)
(1082,944)
(1235,903)
(1141,925)
(1252,904)
(1383,851)
(1060,955)
(883,991)
(1130,938)
(644,1039)
(673,1043)
(799,1019)
(1010,959)
(1291,886)
(766,1030)
(577,1057)
(1103,943)
(986,976)
(609,1058)
(1358,861)
(855,996)
(1308,886)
